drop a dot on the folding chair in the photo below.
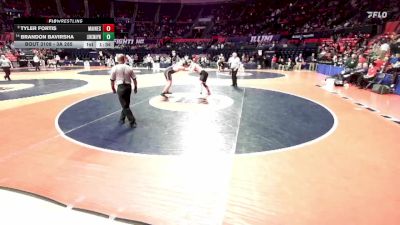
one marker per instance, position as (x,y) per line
(377,80)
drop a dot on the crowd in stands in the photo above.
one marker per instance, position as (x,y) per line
(43,9)
(362,58)
(156,20)
(73,8)
(229,19)
(145,29)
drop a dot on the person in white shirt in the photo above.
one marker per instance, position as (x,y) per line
(110,62)
(179,66)
(57,58)
(149,61)
(116,59)
(174,57)
(234,64)
(221,63)
(101,58)
(203,76)
(384,48)
(6,65)
(122,75)
(36,62)
(130,60)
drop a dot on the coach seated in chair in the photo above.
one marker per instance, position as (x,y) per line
(299,62)
(312,61)
(289,64)
(360,70)
(281,63)
(350,68)
(351,63)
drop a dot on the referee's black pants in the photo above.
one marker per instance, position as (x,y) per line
(7,71)
(234,77)
(124,95)
(37,66)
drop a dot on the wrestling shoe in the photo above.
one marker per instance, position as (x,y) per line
(133,125)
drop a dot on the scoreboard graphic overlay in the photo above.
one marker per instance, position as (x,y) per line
(64,33)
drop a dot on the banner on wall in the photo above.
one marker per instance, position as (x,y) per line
(205,19)
(237,39)
(367,29)
(135,41)
(304,36)
(219,39)
(264,38)
(190,40)
(254,39)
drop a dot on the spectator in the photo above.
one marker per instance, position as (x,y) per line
(312,61)
(299,62)
(274,62)
(365,79)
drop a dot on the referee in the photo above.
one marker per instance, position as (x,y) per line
(6,64)
(234,63)
(36,62)
(122,75)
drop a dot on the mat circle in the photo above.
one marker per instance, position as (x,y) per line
(257,120)
(39,87)
(14,87)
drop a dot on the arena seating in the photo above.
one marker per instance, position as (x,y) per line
(276,17)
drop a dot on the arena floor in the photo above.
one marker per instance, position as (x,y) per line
(282,148)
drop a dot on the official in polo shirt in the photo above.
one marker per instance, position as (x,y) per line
(123,76)
(234,64)
(6,64)
(36,62)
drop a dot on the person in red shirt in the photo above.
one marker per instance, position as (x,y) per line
(362,81)
(274,62)
(379,63)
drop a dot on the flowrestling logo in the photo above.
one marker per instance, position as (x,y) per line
(377,14)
